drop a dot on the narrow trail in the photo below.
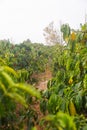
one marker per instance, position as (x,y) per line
(43,79)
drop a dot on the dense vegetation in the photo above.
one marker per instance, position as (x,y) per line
(18,63)
(66,96)
(64,103)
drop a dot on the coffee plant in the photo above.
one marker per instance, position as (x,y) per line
(66,96)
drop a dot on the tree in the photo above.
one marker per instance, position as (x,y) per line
(52,35)
(27,41)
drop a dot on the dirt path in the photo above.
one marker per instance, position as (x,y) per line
(43,78)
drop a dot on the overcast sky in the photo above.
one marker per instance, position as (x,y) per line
(23,19)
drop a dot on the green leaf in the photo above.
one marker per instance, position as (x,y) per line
(29,89)
(3,87)
(17,98)
(10,70)
(7,78)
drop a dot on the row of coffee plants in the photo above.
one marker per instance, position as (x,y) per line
(15,99)
(65,99)
(17,64)
(27,58)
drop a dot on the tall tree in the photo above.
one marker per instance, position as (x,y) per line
(52,35)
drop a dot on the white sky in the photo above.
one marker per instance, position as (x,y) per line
(23,19)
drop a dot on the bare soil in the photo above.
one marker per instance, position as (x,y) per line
(43,79)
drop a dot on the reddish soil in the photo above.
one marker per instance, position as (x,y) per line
(43,78)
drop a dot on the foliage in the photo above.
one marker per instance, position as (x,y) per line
(67,91)
(66,31)
(13,93)
(28,58)
(60,121)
